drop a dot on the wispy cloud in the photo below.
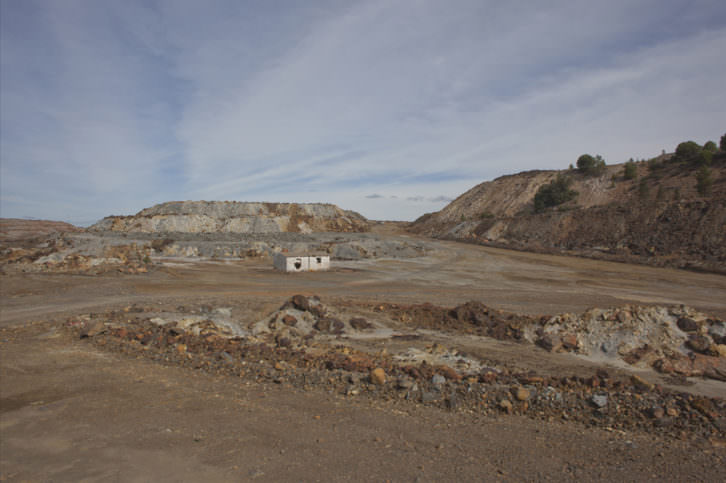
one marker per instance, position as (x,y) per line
(111,106)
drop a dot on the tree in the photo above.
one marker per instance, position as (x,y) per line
(630,170)
(710,146)
(704,180)
(689,152)
(554,193)
(591,166)
(723,143)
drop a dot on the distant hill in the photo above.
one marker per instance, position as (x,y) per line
(13,229)
(236,217)
(657,217)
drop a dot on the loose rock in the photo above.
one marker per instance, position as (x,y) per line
(378,376)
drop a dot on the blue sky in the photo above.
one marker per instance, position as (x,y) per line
(389,108)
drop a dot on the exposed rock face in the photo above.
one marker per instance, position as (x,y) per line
(665,223)
(236,217)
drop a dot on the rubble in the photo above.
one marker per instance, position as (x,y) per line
(204,340)
(669,339)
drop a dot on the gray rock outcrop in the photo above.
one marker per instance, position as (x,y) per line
(236,217)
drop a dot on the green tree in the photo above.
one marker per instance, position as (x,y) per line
(686,151)
(710,146)
(704,180)
(630,170)
(723,143)
(591,165)
(689,152)
(554,193)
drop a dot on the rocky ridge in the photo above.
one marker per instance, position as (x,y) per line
(235,217)
(659,218)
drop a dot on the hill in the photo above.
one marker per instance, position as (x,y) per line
(657,217)
(13,229)
(236,217)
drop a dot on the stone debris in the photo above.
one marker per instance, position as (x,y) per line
(101,252)
(675,340)
(601,400)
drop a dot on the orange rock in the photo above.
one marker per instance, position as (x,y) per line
(378,376)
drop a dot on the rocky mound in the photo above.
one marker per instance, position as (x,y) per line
(236,217)
(658,218)
(289,348)
(672,340)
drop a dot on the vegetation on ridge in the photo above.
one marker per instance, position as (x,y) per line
(554,193)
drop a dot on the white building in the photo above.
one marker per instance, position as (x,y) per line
(291,263)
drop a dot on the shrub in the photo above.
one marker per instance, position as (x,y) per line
(643,189)
(630,170)
(689,152)
(554,193)
(704,180)
(710,146)
(686,151)
(591,166)
(655,164)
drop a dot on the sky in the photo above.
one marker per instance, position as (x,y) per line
(389,108)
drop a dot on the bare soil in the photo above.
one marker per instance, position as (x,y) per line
(72,409)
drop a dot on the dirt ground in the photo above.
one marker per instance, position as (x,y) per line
(70,411)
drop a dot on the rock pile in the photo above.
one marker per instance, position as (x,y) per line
(303,318)
(603,400)
(676,340)
(236,217)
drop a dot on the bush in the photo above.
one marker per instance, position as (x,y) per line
(554,193)
(655,164)
(689,152)
(643,189)
(591,166)
(704,180)
(630,171)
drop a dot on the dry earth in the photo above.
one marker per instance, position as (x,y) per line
(114,406)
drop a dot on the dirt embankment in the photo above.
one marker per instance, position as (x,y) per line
(15,229)
(236,217)
(658,218)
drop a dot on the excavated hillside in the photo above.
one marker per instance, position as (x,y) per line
(658,218)
(236,217)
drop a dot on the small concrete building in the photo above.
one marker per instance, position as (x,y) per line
(305,263)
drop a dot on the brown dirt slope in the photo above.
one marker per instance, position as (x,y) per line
(659,218)
(12,229)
